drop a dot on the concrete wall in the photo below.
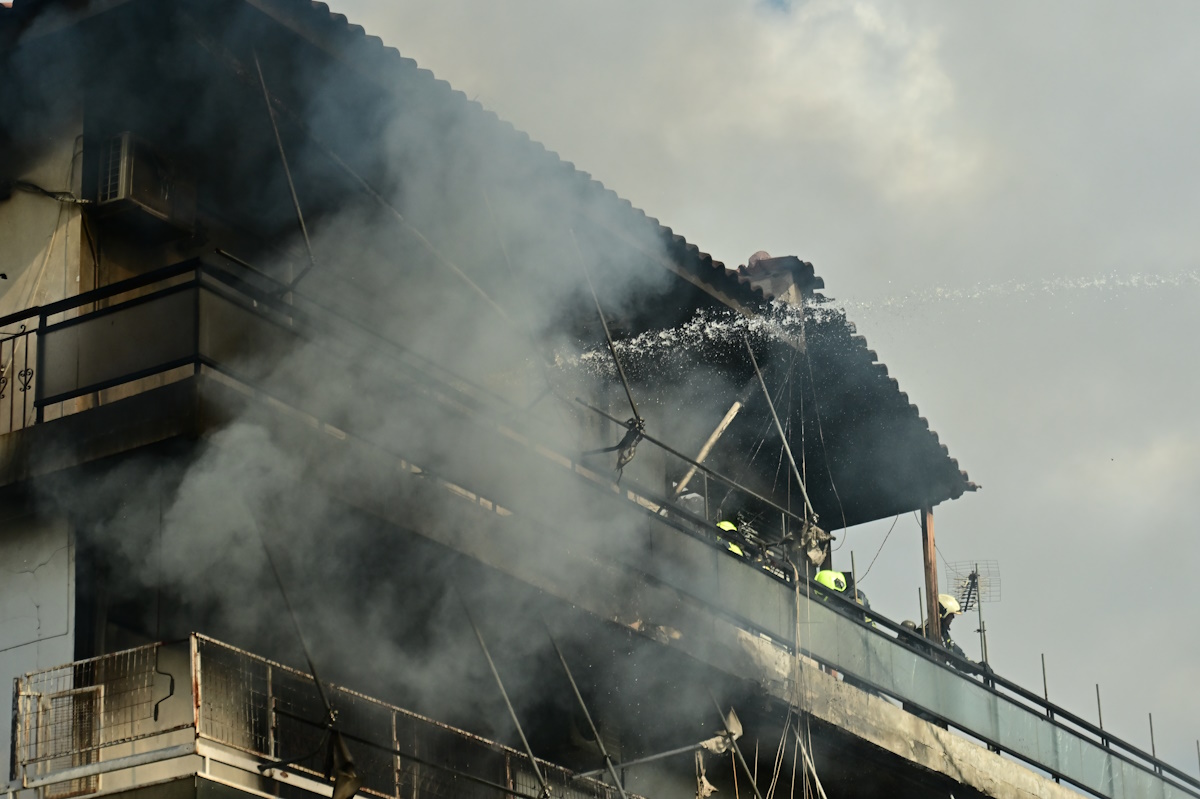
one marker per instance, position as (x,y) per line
(43,238)
(37,601)
(43,248)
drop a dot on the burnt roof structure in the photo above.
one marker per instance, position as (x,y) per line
(872,455)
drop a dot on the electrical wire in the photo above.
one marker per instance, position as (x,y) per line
(945,562)
(245,75)
(65,197)
(312,669)
(741,470)
(795,755)
(778,426)
(312,261)
(92,246)
(777,766)
(812,381)
(885,540)
(639,422)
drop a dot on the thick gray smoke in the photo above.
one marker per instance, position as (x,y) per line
(177,534)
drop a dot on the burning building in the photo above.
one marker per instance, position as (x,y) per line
(306,353)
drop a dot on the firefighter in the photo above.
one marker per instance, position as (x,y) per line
(860,597)
(948,608)
(730,538)
(834,581)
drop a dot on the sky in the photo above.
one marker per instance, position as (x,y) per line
(1003,197)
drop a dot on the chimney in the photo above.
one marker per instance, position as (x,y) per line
(782,278)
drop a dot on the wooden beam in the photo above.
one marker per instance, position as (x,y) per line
(929,556)
(708,445)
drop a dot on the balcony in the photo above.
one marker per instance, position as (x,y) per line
(204,711)
(199,321)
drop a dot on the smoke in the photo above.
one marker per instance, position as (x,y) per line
(471,291)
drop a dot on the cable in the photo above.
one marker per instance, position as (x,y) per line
(766,428)
(507,702)
(945,562)
(287,172)
(779,428)
(885,540)
(812,381)
(65,197)
(312,669)
(95,250)
(779,754)
(406,756)
(803,441)
(607,335)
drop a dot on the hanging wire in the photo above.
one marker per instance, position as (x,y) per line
(777,767)
(312,669)
(779,464)
(766,428)
(885,540)
(795,755)
(65,197)
(821,432)
(607,334)
(507,703)
(312,261)
(790,378)
(778,426)
(741,470)
(945,563)
(803,441)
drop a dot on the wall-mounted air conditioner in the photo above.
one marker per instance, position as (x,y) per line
(142,187)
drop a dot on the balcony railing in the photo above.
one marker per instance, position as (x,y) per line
(18,356)
(140,333)
(166,710)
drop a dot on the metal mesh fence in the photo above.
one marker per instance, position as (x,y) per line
(86,705)
(562,783)
(234,691)
(275,712)
(67,715)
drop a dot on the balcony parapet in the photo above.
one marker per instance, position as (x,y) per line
(201,708)
(198,317)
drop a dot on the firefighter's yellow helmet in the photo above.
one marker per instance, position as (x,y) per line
(949,605)
(831,579)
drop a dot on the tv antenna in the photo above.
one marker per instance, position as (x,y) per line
(976,582)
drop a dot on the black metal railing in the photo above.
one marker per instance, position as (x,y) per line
(18,356)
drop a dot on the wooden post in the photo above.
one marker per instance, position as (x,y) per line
(929,554)
(708,445)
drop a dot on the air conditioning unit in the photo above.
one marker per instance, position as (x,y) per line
(139,186)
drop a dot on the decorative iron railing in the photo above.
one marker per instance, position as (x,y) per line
(18,359)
